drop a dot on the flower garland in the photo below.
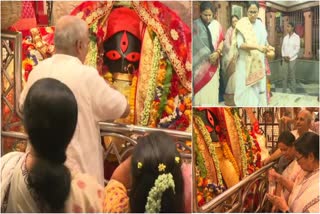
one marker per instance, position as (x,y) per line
(162,183)
(166,86)
(152,83)
(211,147)
(91,58)
(132,98)
(199,157)
(255,146)
(249,152)
(27,66)
(155,106)
(242,144)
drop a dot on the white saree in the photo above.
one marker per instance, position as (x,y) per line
(305,193)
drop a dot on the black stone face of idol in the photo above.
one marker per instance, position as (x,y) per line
(122,52)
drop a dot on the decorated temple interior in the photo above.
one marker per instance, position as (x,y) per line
(276,15)
(132,106)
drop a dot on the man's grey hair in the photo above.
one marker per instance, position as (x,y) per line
(69,29)
(308,115)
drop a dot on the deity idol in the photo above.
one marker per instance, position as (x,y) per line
(143,49)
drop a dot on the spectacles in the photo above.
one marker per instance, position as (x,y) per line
(299,158)
(253,12)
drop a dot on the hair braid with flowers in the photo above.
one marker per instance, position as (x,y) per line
(157,182)
(162,183)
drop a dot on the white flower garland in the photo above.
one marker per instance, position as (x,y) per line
(152,83)
(163,182)
(244,160)
(211,147)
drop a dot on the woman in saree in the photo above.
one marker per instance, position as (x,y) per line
(207,50)
(38,181)
(291,168)
(228,37)
(304,192)
(246,74)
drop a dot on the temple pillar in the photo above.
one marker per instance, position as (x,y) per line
(307,34)
(262,11)
(271,28)
(285,22)
(195,10)
(223,16)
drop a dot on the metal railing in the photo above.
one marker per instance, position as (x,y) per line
(128,134)
(237,198)
(11,85)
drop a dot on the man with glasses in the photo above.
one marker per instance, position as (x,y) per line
(303,124)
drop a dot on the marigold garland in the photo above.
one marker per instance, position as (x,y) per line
(228,154)
(132,98)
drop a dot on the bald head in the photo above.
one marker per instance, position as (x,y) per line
(307,114)
(69,32)
(304,121)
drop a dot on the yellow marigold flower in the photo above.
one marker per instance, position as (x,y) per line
(177,159)
(161,167)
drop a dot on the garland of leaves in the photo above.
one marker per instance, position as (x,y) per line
(166,87)
(211,147)
(199,157)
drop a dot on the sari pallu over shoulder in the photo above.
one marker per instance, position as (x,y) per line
(254,68)
(203,70)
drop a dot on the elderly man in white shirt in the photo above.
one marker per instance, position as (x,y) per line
(97,101)
(290,49)
(303,124)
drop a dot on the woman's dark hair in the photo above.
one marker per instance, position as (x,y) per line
(50,117)
(249,3)
(286,138)
(308,143)
(152,150)
(207,5)
(234,16)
